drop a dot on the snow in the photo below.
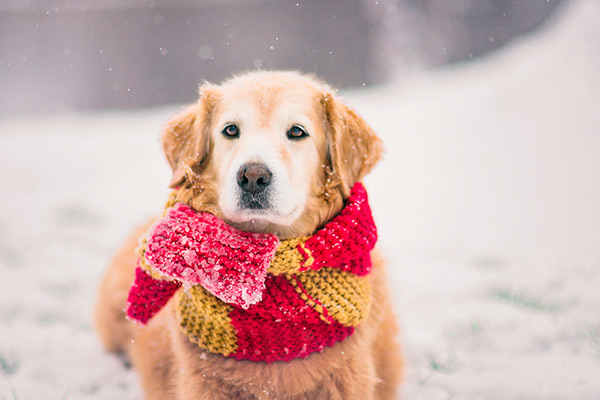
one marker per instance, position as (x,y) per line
(487,204)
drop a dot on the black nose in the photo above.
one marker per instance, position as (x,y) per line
(254,178)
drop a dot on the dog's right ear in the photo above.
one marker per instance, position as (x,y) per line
(353,148)
(185,138)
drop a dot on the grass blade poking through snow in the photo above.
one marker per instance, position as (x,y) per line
(7,367)
(591,334)
(67,394)
(441,366)
(525,301)
(437,365)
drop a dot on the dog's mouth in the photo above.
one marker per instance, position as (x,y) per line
(257,212)
(255,202)
(254,210)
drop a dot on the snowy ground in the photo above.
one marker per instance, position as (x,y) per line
(488,206)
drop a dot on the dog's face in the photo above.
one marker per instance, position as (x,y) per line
(267,148)
(269,151)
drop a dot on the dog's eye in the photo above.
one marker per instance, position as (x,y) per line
(231,131)
(296,132)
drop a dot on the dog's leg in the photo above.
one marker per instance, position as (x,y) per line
(152,356)
(386,350)
(114,329)
(388,359)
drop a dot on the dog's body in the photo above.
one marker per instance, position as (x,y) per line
(267,152)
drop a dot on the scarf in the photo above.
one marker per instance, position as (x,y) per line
(250,295)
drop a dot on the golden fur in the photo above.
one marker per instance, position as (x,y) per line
(367,365)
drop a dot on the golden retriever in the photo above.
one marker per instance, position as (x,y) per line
(265,112)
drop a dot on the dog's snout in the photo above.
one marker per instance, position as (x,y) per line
(254,178)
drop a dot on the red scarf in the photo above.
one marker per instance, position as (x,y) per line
(189,248)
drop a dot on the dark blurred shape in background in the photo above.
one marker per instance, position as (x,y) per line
(58,55)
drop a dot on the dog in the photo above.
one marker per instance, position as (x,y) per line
(272,152)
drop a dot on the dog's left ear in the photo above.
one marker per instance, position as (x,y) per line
(353,148)
(185,138)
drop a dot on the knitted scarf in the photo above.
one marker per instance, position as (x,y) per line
(251,296)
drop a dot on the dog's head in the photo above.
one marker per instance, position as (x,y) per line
(272,152)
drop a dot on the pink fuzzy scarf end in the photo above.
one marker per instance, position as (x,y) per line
(200,249)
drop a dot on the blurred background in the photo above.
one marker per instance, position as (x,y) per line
(58,55)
